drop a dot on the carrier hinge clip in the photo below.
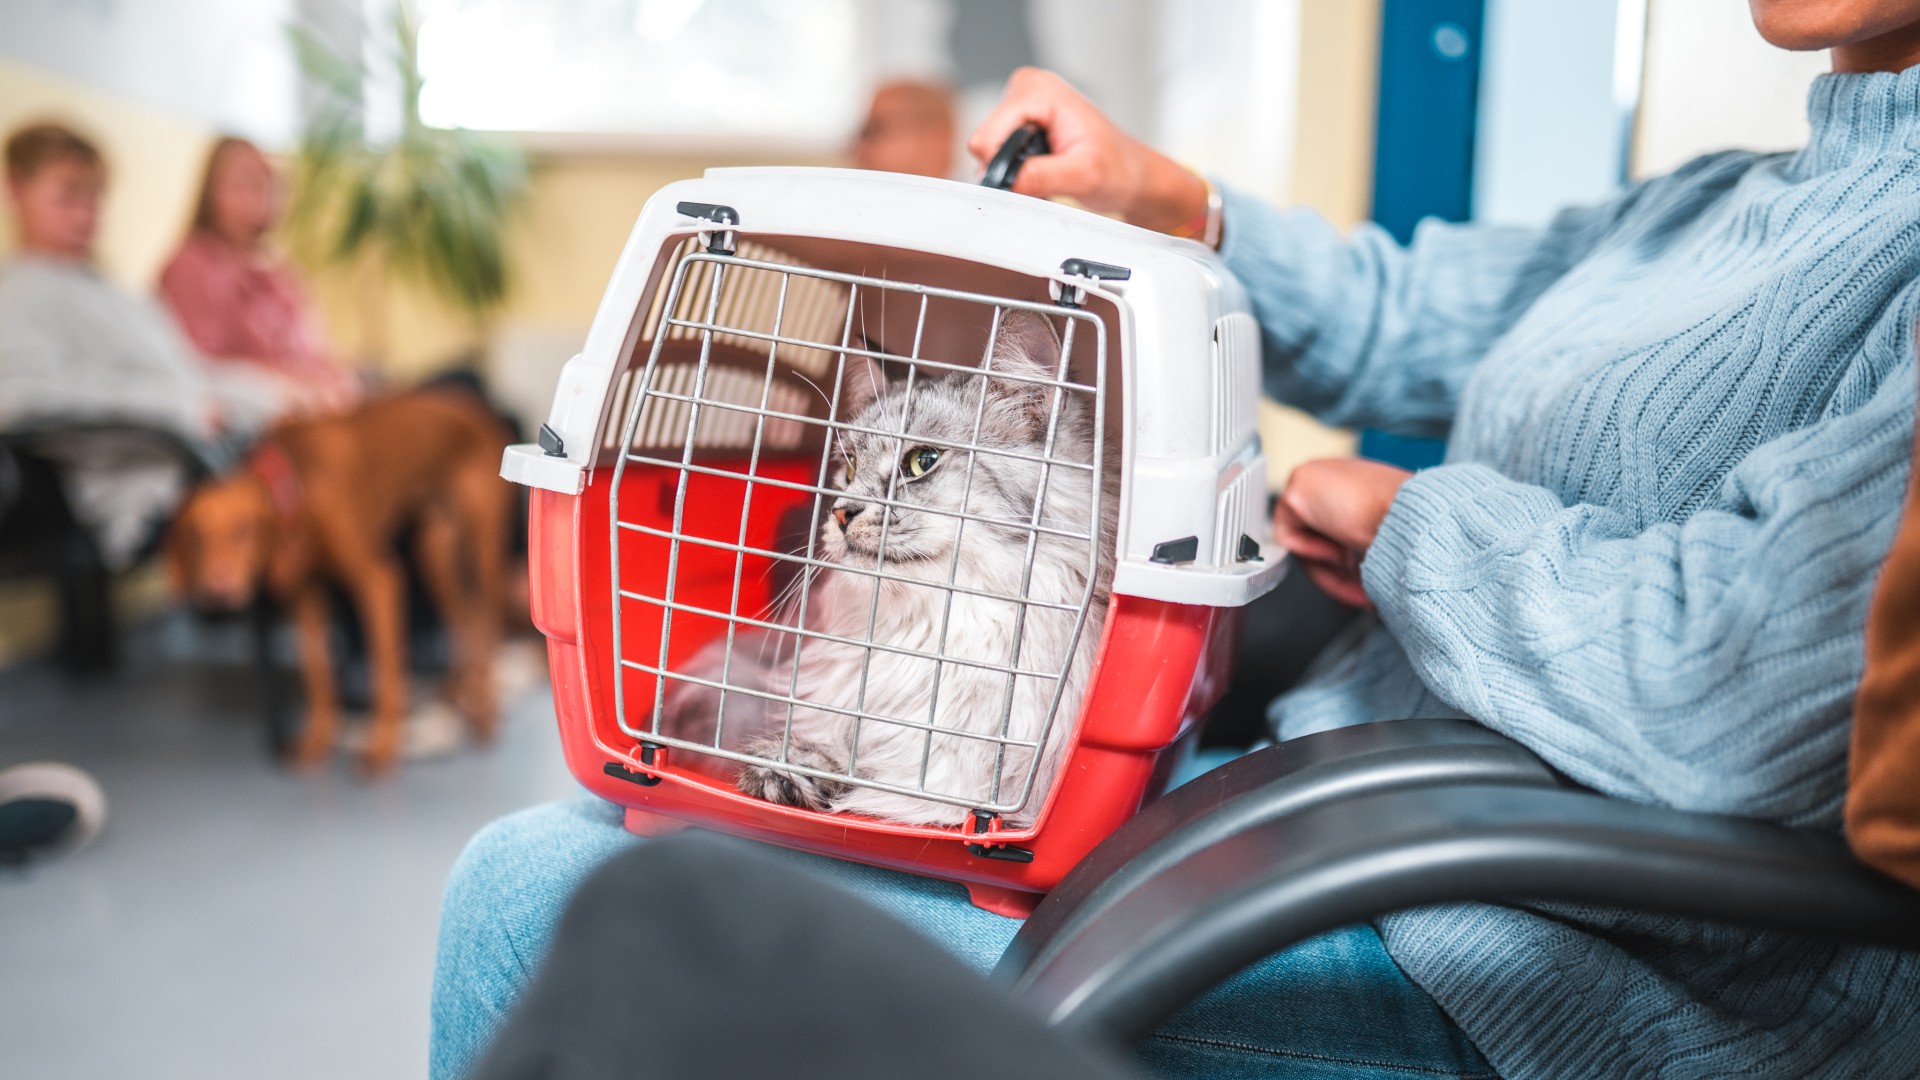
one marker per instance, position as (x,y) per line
(651,756)
(1068,294)
(985,824)
(719,241)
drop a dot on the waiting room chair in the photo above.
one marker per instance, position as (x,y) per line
(40,536)
(1337,828)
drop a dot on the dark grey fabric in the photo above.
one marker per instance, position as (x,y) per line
(699,956)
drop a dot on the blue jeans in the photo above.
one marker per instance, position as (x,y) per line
(1332,1007)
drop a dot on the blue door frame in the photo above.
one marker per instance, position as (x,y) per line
(1423,143)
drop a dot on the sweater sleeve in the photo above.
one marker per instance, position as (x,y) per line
(1363,332)
(1707,664)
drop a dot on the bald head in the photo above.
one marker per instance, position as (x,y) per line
(909,129)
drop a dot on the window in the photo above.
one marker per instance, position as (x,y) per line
(756,68)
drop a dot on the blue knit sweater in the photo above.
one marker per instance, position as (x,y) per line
(1679,426)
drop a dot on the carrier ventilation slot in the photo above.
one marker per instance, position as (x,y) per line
(749,301)
(1236,404)
(1230,518)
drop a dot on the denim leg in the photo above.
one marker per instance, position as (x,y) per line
(1335,1006)
(503,900)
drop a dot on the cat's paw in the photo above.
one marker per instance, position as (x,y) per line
(778,785)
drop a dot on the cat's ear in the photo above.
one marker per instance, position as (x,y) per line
(1026,344)
(862,382)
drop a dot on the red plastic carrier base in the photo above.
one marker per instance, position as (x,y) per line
(1159,667)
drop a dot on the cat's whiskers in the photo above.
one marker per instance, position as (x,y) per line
(832,432)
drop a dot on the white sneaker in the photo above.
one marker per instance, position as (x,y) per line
(48,806)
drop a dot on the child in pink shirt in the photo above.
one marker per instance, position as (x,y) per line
(242,306)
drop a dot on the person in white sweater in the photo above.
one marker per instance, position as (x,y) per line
(75,349)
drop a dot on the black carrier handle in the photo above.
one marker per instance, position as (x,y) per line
(1026,141)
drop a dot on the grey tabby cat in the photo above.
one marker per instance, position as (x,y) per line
(925,471)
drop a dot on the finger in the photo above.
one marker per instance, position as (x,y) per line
(1005,119)
(1307,544)
(1300,497)
(1302,540)
(1338,584)
(1344,498)
(1023,100)
(1321,504)
(1048,175)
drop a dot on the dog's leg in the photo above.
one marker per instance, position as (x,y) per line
(311,623)
(377,591)
(437,550)
(495,503)
(482,504)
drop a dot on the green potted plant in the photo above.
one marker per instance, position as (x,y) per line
(429,204)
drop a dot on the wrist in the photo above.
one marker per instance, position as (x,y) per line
(1172,198)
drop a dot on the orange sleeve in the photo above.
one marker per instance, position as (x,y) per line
(1883,783)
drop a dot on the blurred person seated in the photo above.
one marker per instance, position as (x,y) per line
(78,353)
(244,309)
(909,128)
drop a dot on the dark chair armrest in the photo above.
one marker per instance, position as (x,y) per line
(1260,787)
(1186,927)
(201,459)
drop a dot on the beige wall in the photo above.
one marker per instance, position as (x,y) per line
(1339,80)
(1332,172)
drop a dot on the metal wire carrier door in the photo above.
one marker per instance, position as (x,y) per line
(749,401)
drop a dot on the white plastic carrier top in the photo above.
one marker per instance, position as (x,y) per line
(1193,525)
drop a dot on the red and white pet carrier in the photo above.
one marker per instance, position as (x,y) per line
(697,453)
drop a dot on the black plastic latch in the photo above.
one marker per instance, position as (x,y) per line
(631,776)
(719,241)
(1097,270)
(1250,549)
(1184,550)
(1087,268)
(551,442)
(1028,140)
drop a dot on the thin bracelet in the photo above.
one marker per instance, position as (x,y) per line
(1204,226)
(1216,214)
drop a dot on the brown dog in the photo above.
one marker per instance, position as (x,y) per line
(323,499)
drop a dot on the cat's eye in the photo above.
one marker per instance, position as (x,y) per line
(849,468)
(919,461)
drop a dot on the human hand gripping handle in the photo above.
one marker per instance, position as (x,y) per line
(1328,516)
(1028,140)
(1090,160)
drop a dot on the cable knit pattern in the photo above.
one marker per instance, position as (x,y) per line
(1680,426)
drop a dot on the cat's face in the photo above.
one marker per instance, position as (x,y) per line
(927,471)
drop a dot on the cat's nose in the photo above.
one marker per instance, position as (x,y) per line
(844,512)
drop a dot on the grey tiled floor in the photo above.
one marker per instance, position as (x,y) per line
(234,920)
